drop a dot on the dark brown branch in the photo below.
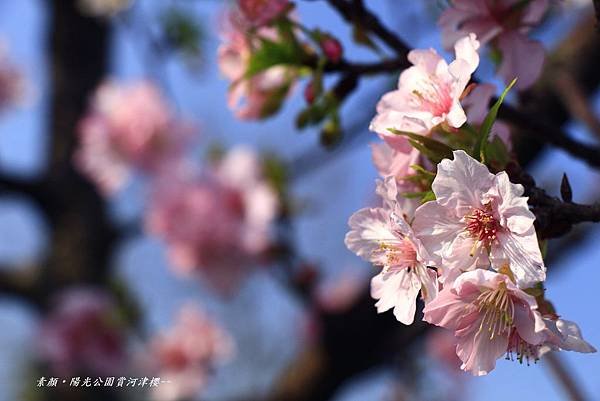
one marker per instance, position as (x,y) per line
(355,13)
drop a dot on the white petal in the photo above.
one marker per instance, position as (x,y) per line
(461,182)
(397,290)
(369,228)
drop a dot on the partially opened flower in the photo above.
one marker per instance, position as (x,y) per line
(217,222)
(260,95)
(383,237)
(484,309)
(187,353)
(504,24)
(563,335)
(479,219)
(82,334)
(428,93)
(128,127)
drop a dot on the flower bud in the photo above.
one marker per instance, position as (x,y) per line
(332,48)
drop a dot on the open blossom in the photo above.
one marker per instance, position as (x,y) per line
(218,221)
(479,219)
(127,127)
(504,24)
(428,93)
(485,309)
(187,353)
(383,237)
(81,334)
(260,95)
(262,12)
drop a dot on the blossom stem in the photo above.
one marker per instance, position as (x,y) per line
(564,376)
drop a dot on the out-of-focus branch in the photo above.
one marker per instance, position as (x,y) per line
(563,376)
(575,100)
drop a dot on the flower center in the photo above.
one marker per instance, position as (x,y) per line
(482,225)
(522,349)
(498,312)
(399,255)
(432,96)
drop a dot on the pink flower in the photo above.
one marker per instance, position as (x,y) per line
(12,83)
(505,24)
(428,93)
(258,96)
(479,219)
(476,103)
(484,309)
(441,346)
(187,353)
(383,237)
(127,127)
(219,221)
(82,334)
(262,12)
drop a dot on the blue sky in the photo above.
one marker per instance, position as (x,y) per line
(263,324)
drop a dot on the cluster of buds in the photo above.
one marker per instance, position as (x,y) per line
(449,229)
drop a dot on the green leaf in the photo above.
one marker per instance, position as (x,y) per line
(429,196)
(420,169)
(270,54)
(432,148)
(497,154)
(182,31)
(480,148)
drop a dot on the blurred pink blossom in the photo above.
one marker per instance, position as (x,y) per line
(338,294)
(504,24)
(428,94)
(82,334)
(187,353)
(479,219)
(12,82)
(218,221)
(262,12)
(258,96)
(483,309)
(441,346)
(128,127)
(332,48)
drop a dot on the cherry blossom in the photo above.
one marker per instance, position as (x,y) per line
(187,353)
(479,219)
(428,93)
(128,126)
(484,309)
(504,24)
(260,95)
(82,334)
(383,237)
(217,221)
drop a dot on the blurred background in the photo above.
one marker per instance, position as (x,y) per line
(58,233)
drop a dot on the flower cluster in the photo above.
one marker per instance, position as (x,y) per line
(217,221)
(449,229)
(187,353)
